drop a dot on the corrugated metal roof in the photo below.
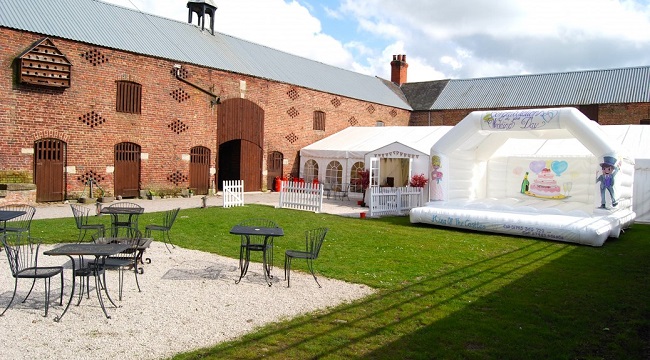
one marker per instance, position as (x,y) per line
(107,25)
(626,85)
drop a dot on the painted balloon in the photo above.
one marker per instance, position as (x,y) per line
(537,166)
(559,167)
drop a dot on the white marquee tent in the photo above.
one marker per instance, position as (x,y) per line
(362,144)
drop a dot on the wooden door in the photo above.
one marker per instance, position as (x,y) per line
(240,137)
(127,170)
(200,170)
(274,168)
(49,176)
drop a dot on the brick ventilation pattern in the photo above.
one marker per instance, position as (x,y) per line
(179,95)
(177,178)
(178,126)
(352,121)
(293,94)
(94,57)
(292,138)
(92,119)
(336,102)
(293,112)
(371,109)
(182,73)
(85,178)
(393,113)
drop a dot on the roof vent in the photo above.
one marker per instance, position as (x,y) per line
(202,8)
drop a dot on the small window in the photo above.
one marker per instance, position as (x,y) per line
(319,120)
(129,97)
(644,122)
(379,123)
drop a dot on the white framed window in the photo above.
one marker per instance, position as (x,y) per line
(310,170)
(334,173)
(355,178)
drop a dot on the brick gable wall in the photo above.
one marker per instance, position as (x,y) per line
(608,114)
(29,113)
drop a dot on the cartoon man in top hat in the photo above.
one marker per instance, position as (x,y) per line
(609,170)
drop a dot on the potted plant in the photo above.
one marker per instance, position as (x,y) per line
(104,197)
(187,193)
(151,194)
(363,179)
(418,180)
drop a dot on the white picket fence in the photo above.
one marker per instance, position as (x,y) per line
(394,201)
(301,196)
(233,193)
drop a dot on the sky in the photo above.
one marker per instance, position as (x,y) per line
(442,39)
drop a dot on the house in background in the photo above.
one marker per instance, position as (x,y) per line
(96,93)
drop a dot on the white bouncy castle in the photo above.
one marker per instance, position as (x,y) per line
(545,173)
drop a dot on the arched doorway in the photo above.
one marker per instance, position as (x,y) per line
(126,177)
(240,136)
(49,162)
(273,167)
(200,170)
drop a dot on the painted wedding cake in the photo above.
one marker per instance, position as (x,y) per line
(545,185)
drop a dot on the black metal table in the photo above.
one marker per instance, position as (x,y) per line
(100,252)
(143,245)
(6,215)
(269,234)
(131,213)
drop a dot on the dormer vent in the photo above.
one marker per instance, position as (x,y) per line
(202,8)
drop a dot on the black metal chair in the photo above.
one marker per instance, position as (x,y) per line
(343,193)
(168,221)
(81,216)
(22,223)
(128,221)
(313,242)
(256,243)
(126,260)
(22,253)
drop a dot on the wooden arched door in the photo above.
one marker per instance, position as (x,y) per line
(200,170)
(240,138)
(49,162)
(273,167)
(126,177)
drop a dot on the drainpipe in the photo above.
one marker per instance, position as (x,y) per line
(216,100)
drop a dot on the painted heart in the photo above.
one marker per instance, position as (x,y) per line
(537,166)
(559,167)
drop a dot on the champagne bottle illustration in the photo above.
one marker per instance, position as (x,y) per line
(525,184)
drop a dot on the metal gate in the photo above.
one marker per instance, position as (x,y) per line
(48,169)
(274,168)
(127,170)
(200,170)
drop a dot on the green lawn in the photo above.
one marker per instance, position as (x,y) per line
(443,294)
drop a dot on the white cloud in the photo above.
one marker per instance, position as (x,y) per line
(441,38)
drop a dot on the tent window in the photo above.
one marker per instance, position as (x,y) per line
(334,173)
(311,170)
(319,120)
(355,178)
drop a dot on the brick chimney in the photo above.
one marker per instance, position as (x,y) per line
(398,69)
